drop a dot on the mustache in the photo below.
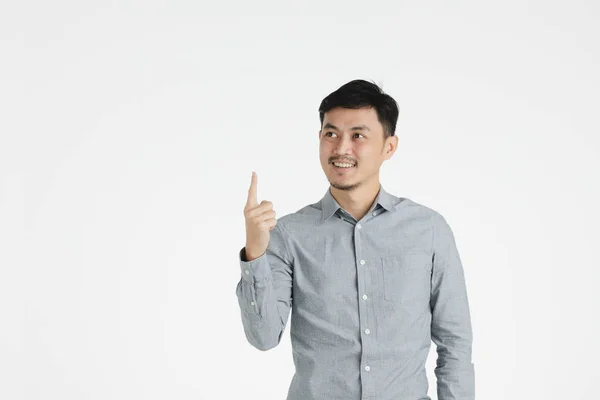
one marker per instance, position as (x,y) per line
(347,160)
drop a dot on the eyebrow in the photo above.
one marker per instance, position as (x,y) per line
(354,128)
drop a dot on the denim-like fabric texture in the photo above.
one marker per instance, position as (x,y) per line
(366,297)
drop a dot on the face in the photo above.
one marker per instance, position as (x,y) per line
(354,136)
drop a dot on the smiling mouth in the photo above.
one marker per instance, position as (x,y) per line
(353,164)
(342,169)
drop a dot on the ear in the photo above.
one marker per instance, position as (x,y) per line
(392,145)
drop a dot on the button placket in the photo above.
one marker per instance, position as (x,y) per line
(364,279)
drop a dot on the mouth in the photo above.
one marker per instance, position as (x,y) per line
(343,161)
(342,169)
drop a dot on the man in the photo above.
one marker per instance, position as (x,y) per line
(370,278)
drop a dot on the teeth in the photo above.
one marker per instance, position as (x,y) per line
(343,165)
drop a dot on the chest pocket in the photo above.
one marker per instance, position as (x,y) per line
(406,277)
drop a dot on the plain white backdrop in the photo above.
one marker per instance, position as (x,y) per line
(129,131)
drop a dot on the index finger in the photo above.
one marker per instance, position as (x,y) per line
(252,200)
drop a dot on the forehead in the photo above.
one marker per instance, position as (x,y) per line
(346,118)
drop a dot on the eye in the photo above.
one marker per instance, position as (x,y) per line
(327,133)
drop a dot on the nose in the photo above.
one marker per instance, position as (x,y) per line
(344,144)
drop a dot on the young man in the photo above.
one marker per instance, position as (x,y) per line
(370,278)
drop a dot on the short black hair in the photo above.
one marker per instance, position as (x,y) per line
(360,93)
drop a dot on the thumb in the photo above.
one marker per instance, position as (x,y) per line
(252,200)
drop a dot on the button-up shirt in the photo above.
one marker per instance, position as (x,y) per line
(367,298)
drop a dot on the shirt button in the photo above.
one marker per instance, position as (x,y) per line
(247,272)
(367,331)
(362,262)
(252,303)
(358,226)
(367,368)
(364,296)
(375,213)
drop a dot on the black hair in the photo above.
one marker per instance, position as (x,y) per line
(360,93)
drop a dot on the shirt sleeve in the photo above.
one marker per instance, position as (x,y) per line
(264,292)
(451,329)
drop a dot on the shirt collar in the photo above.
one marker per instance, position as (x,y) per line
(329,205)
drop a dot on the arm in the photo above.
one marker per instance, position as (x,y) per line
(264,293)
(451,322)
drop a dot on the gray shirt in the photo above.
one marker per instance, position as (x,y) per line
(366,297)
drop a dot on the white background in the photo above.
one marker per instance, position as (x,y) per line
(129,131)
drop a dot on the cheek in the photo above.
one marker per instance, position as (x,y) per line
(323,157)
(324,152)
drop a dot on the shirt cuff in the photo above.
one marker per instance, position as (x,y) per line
(257,269)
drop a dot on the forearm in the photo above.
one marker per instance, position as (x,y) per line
(262,300)
(454,370)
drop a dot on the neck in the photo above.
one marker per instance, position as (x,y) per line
(357,201)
